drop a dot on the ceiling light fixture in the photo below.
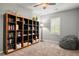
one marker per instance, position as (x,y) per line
(44,5)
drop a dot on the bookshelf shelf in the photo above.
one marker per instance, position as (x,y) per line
(11,23)
(19,32)
(11,30)
(25,24)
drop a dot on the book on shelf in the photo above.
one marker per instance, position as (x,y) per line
(11,27)
(17,27)
(36,37)
(10,45)
(10,41)
(23,22)
(28,28)
(30,34)
(25,35)
(33,28)
(10,19)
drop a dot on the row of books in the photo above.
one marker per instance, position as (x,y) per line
(10,20)
(11,35)
(30,34)
(10,46)
(24,22)
(19,34)
(18,19)
(30,22)
(11,27)
(32,28)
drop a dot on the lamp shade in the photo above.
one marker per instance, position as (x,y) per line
(41,25)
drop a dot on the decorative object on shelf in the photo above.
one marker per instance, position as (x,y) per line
(10,12)
(25,35)
(17,12)
(33,41)
(18,45)
(29,34)
(11,35)
(18,19)
(19,34)
(37,40)
(10,50)
(35,18)
(26,43)
(33,33)
(33,28)
(10,41)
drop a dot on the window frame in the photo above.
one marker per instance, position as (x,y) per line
(54,26)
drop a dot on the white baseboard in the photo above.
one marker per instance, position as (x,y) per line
(1,51)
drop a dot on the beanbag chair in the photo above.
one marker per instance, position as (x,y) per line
(69,42)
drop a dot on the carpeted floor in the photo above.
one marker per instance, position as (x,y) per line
(44,49)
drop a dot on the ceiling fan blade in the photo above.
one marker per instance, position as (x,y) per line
(51,3)
(44,3)
(37,5)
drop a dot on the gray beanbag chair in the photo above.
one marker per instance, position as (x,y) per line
(69,42)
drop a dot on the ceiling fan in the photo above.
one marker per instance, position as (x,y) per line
(44,5)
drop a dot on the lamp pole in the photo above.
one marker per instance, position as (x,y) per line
(41,33)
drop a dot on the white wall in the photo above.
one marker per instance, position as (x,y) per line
(16,8)
(11,7)
(78,22)
(69,23)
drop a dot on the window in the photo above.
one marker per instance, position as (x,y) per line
(55,25)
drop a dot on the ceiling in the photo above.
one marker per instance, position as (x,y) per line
(51,8)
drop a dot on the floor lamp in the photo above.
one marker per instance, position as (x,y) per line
(41,26)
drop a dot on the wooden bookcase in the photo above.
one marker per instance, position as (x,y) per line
(19,32)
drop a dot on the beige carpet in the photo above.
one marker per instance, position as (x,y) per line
(44,49)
